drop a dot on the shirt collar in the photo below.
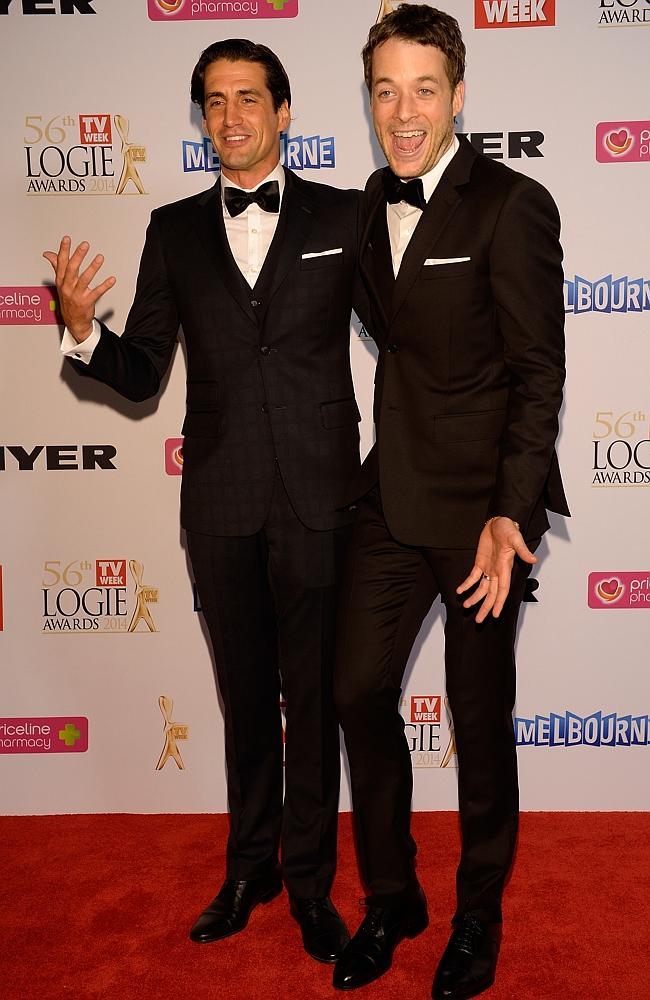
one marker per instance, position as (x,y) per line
(431,178)
(277,174)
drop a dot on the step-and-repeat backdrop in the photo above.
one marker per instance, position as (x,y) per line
(107,698)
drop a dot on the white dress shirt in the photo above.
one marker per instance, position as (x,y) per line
(249,237)
(403,218)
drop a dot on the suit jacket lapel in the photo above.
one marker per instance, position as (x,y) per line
(212,232)
(441,206)
(375,258)
(295,222)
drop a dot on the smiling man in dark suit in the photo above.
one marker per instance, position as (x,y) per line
(462,260)
(259,271)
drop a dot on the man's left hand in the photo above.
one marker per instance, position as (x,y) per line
(500,541)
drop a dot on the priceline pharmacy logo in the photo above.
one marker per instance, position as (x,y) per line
(219,10)
(58,734)
(28,305)
(623,142)
(619,590)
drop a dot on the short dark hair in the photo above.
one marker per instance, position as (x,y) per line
(424,25)
(234,49)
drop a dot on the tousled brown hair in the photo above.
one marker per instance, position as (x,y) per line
(423,25)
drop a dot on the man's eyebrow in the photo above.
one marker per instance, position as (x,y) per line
(419,79)
(242,92)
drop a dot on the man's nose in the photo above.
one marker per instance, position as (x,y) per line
(405,108)
(232,113)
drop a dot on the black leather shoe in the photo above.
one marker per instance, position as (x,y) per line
(469,962)
(324,935)
(230,909)
(370,952)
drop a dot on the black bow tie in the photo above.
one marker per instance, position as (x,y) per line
(411,191)
(267,197)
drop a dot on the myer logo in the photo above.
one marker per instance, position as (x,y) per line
(57,457)
(510,145)
(47,7)
(514,13)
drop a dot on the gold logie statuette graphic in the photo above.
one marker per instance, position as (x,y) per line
(173,732)
(387,7)
(450,752)
(132,153)
(143,596)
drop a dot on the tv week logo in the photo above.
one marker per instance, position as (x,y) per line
(110,572)
(425,708)
(514,13)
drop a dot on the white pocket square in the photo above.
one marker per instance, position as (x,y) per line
(430,261)
(322,253)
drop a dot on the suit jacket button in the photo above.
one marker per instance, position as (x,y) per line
(265,408)
(254,303)
(264,350)
(392,348)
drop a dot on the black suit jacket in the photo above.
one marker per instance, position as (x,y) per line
(471,356)
(268,371)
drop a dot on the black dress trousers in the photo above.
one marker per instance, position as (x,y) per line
(388,590)
(269,602)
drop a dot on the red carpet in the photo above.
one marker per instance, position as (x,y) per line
(99,906)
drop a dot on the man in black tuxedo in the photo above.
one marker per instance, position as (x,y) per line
(271,436)
(462,260)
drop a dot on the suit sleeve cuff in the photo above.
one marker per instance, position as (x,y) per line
(83,351)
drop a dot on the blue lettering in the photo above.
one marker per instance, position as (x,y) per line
(525,730)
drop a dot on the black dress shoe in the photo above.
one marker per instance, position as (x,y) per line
(230,909)
(324,935)
(469,961)
(370,952)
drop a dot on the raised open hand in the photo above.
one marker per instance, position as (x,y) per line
(76,298)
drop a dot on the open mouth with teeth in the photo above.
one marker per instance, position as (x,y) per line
(234,140)
(408,142)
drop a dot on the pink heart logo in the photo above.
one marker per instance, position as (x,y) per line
(609,587)
(619,138)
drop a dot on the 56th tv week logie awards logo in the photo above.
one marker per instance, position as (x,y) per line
(84,596)
(89,154)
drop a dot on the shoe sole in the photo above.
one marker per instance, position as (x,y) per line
(266,897)
(465,995)
(323,961)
